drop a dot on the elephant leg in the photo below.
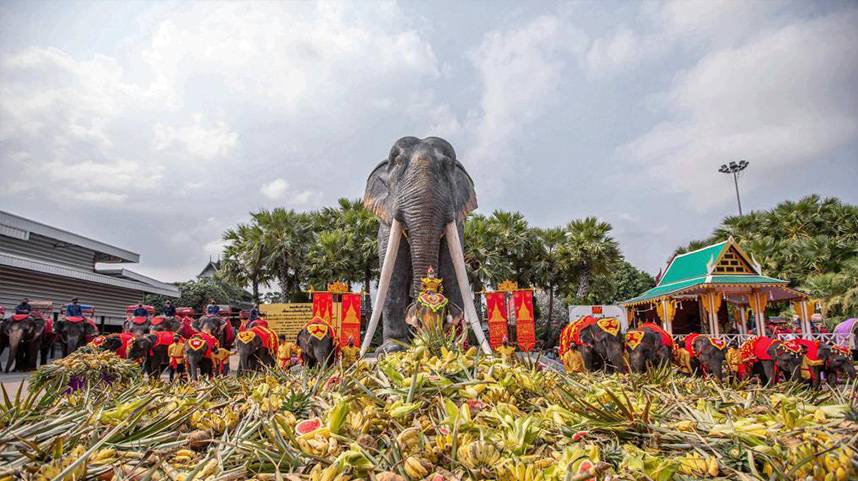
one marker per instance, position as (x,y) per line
(769,372)
(398,295)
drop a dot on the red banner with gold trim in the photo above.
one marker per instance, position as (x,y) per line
(323,306)
(525,326)
(350,326)
(496,307)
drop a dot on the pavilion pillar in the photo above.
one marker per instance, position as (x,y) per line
(742,321)
(804,316)
(759,305)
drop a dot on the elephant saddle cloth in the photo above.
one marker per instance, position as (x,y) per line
(163,338)
(689,343)
(19,317)
(157,321)
(666,339)
(633,339)
(435,301)
(319,328)
(268,337)
(755,349)
(844,350)
(610,325)
(246,337)
(139,320)
(125,338)
(74,319)
(575,328)
(792,346)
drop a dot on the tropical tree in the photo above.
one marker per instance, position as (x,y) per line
(286,235)
(244,257)
(590,250)
(550,268)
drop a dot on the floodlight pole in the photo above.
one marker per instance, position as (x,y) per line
(734,168)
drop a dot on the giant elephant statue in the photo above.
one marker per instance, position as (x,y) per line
(27,334)
(421,194)
(317,342)
(74,332)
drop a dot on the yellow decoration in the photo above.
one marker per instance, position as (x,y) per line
(508,285)
(523,314)
(351,317)
(633,339)
(671,310)
(496,315)
(711,302)
(573,361)
(338,287)
(246,337)
(609,325)
(430,282)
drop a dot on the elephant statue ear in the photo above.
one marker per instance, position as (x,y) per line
(376,198)
(466,198)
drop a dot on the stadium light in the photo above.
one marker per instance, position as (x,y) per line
(734,168)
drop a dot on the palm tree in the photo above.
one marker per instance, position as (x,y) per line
(590,251)
(285,234)
(244,257)
(514,243)
(549,269)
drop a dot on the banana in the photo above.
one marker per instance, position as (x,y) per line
(416,468)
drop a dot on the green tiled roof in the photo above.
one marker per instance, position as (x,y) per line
(665,289)
(691,270)
(692,264)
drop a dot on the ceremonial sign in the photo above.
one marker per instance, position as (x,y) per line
(287,319)
(496,306)
(350,315)
(525,326)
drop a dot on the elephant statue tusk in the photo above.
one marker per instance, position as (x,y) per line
(383,282)
(455,247)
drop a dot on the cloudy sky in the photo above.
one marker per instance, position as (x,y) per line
(155,126)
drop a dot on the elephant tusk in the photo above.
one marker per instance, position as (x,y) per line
(383,282)
(458,256)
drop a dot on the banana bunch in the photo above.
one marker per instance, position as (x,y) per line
(365,421)
(409,440)
(50,471)
(103,456)
(520,472)
(836,465)
(208,421)
(318,443)
(478,455)
(416,468)
(694,464)
(184,458)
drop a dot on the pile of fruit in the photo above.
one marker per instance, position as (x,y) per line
(433,414)
(87,366)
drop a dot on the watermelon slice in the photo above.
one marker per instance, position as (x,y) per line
(308,426)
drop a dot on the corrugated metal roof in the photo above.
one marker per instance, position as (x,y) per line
(136,276)
(112,253)
(58,270)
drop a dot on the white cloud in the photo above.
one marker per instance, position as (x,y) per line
(785,98)
(275,190)
(203,140)
(520,70)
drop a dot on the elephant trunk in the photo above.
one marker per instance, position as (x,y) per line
(73,342)
(16,335)
(424,254)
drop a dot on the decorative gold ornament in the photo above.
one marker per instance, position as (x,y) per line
(430,282)
(338,287)
(508,286)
